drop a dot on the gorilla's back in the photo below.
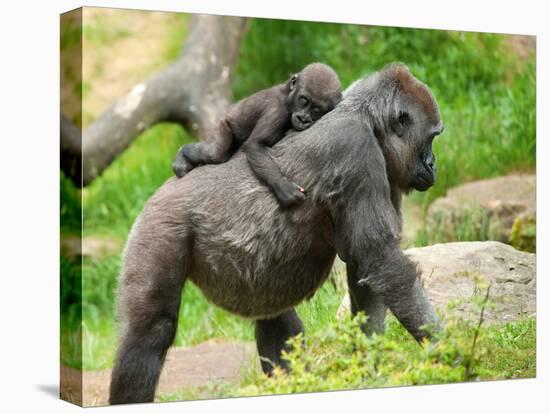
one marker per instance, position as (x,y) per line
(239,243)
(244,245)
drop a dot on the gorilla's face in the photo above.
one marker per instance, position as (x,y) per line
(425,167)
(313,92)
(307,107)
(413,128)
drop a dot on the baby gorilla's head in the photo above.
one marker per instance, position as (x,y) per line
(313,92)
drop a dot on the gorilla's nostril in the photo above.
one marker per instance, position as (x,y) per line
(429,162)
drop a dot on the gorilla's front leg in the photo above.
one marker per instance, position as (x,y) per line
(414,310)
(363,299)
(393,277)
(271,337)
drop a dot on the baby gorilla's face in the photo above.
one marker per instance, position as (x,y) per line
(306,110)
(314,91)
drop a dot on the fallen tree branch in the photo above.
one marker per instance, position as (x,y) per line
(194,91)
(71,150)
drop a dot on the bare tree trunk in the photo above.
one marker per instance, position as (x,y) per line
(194,91)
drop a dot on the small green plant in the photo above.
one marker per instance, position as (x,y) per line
(342,357)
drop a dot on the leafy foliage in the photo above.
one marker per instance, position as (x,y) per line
(341,357)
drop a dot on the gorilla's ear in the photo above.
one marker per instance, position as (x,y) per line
(292,81)
(398,123)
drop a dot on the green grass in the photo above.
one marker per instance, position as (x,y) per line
(113,201)
(468,224)
(340,357)
(70,214)
(70,30)
(513,349)
(487,100)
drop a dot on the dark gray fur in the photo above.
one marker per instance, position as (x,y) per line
(221,229)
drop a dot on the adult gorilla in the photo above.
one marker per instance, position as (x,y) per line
(224,231)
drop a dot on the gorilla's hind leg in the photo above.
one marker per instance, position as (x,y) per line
(214,150)
(139,361)
(149,303)
(271,337)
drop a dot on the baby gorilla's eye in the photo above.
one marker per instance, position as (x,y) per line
(316,110)
(303,101)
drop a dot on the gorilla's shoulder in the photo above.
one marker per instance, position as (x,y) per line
(341,133)
(342,129)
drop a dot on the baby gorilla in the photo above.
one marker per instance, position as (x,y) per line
(260,120)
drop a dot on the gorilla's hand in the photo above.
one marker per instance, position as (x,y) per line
(290,194)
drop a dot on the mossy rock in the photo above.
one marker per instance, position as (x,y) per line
(502,209)
(523,235)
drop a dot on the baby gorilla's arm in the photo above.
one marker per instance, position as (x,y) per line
(269,130)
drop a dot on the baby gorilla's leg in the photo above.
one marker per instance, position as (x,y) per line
(214,150)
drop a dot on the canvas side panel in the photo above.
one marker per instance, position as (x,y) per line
(71,206)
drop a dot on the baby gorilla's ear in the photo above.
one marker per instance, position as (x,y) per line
(292,81)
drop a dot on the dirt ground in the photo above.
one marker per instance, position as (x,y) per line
(185,369)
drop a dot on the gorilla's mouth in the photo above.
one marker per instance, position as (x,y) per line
(423,183)
(297,124)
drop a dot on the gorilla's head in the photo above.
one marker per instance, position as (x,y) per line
(313,92)
(405,119)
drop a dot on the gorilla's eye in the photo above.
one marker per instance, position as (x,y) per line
(303,101)
(398,125)
(316,110)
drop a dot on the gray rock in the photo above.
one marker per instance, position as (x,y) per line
(451,272)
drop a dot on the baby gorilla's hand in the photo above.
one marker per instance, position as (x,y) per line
(181,165)
(290,194)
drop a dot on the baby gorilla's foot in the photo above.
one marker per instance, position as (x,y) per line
(290,194)
(181,165)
